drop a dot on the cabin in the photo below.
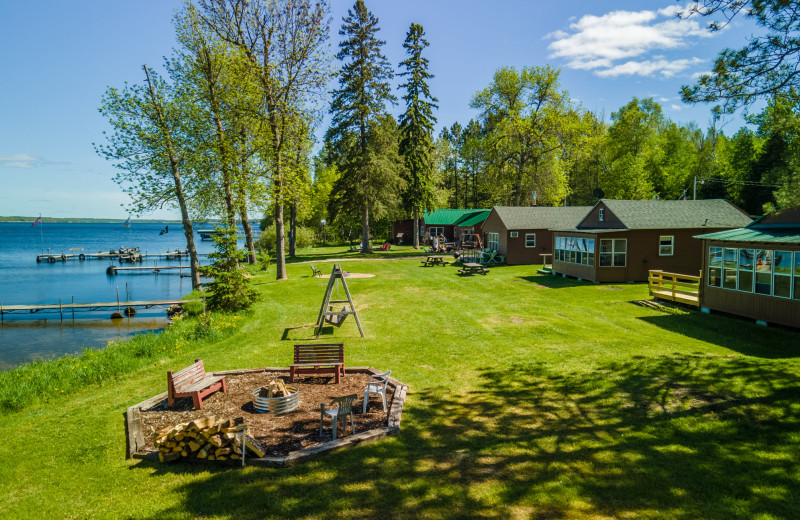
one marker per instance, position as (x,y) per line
(454,224)
(622,240)
(522,233)
(755,271)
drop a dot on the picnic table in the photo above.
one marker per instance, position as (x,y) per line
(434,260)
(472,268)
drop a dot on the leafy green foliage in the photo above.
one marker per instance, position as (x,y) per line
(766,66)
(230,290)
(368,172)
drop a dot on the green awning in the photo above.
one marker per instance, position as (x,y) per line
(775,235)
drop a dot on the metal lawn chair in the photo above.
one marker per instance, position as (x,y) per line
(340,407)
(315,272)
(377,385)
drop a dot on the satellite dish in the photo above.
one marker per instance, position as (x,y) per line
(598,193)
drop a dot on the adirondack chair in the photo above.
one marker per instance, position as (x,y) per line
(337,409)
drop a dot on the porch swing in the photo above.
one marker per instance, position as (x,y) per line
(328,313)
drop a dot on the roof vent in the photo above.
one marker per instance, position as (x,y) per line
(705,223)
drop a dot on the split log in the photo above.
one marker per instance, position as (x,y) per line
(205,438)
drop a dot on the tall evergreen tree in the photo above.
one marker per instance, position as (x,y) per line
(416,127)
(357,104)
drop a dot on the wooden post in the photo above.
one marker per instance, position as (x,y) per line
(118,298)
(73,309)
(60,310)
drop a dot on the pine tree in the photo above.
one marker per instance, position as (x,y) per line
(416,127)
(357,104)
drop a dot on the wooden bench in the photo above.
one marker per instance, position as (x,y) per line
(193,382)
(321,358)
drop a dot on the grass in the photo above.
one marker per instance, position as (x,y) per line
(529,397)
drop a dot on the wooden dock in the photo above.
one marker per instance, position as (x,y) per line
(112,269)
(52,258)
(62,307)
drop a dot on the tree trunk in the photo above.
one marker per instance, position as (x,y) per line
(365,231)
(293,230)
(416,228)
(188,231)
(248,233)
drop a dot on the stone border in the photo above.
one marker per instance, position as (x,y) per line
(136,440)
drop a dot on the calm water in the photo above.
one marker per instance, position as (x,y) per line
(28,337)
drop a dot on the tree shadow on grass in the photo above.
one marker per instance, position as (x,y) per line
(732,333)
(680,436)
(555,282)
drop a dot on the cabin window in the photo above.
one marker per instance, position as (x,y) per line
(530,239)
(796,275)
(763,271)
(574,250)
(729,263)
(746,269)
(513,234)
(666,245)
(782,282)
(714,266)
(613,252)
(436,231)
(492,241)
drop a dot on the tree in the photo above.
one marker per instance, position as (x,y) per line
(379,180)
(525,114)
(284,42)
(151,147)
(768,65)
(416,128)
(357,107)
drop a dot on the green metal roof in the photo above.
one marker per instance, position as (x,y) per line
(540,217)
(666,214)
(455,217)
(780,235)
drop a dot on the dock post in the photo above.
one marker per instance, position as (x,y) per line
(73,309)
(118,298)
(60,310)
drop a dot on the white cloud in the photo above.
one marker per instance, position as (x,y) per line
(667,68)
(676,108)
(19,160)
(599,43)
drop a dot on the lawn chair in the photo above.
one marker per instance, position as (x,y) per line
(354,248)
(377,385)
(340,407)
(487,257)
(316,273)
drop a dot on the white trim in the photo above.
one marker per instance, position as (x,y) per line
(530,235)
(662,238)
(513,234)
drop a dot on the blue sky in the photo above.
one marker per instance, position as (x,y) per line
(59,57)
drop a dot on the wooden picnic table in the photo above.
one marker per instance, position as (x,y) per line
(545,256)
(472,268)
(434,260)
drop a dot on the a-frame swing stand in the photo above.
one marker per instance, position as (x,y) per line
(327,314)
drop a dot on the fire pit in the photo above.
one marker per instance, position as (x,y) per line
(276,405)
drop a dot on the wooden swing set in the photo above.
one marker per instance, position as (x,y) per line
(327,312)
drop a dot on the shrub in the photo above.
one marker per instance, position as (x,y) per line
(268,239)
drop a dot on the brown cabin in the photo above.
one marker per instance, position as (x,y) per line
(755,271)
(622,240)
(522,233)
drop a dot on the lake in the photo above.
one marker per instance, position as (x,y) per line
(29,337)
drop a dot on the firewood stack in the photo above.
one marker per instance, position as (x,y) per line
(205,438)
(276,388)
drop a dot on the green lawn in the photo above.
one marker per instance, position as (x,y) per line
(529,397)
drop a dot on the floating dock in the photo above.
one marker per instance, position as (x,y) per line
(112,269)
(125,256)
(61,307)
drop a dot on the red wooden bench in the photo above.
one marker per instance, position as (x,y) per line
(321,358)
(193,382)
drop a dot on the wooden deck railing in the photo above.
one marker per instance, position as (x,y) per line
(681,288)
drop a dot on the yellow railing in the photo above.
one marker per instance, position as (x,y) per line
(681,288)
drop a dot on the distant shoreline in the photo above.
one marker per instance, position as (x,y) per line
(55,220)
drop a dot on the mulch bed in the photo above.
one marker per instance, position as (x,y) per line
(279,434)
